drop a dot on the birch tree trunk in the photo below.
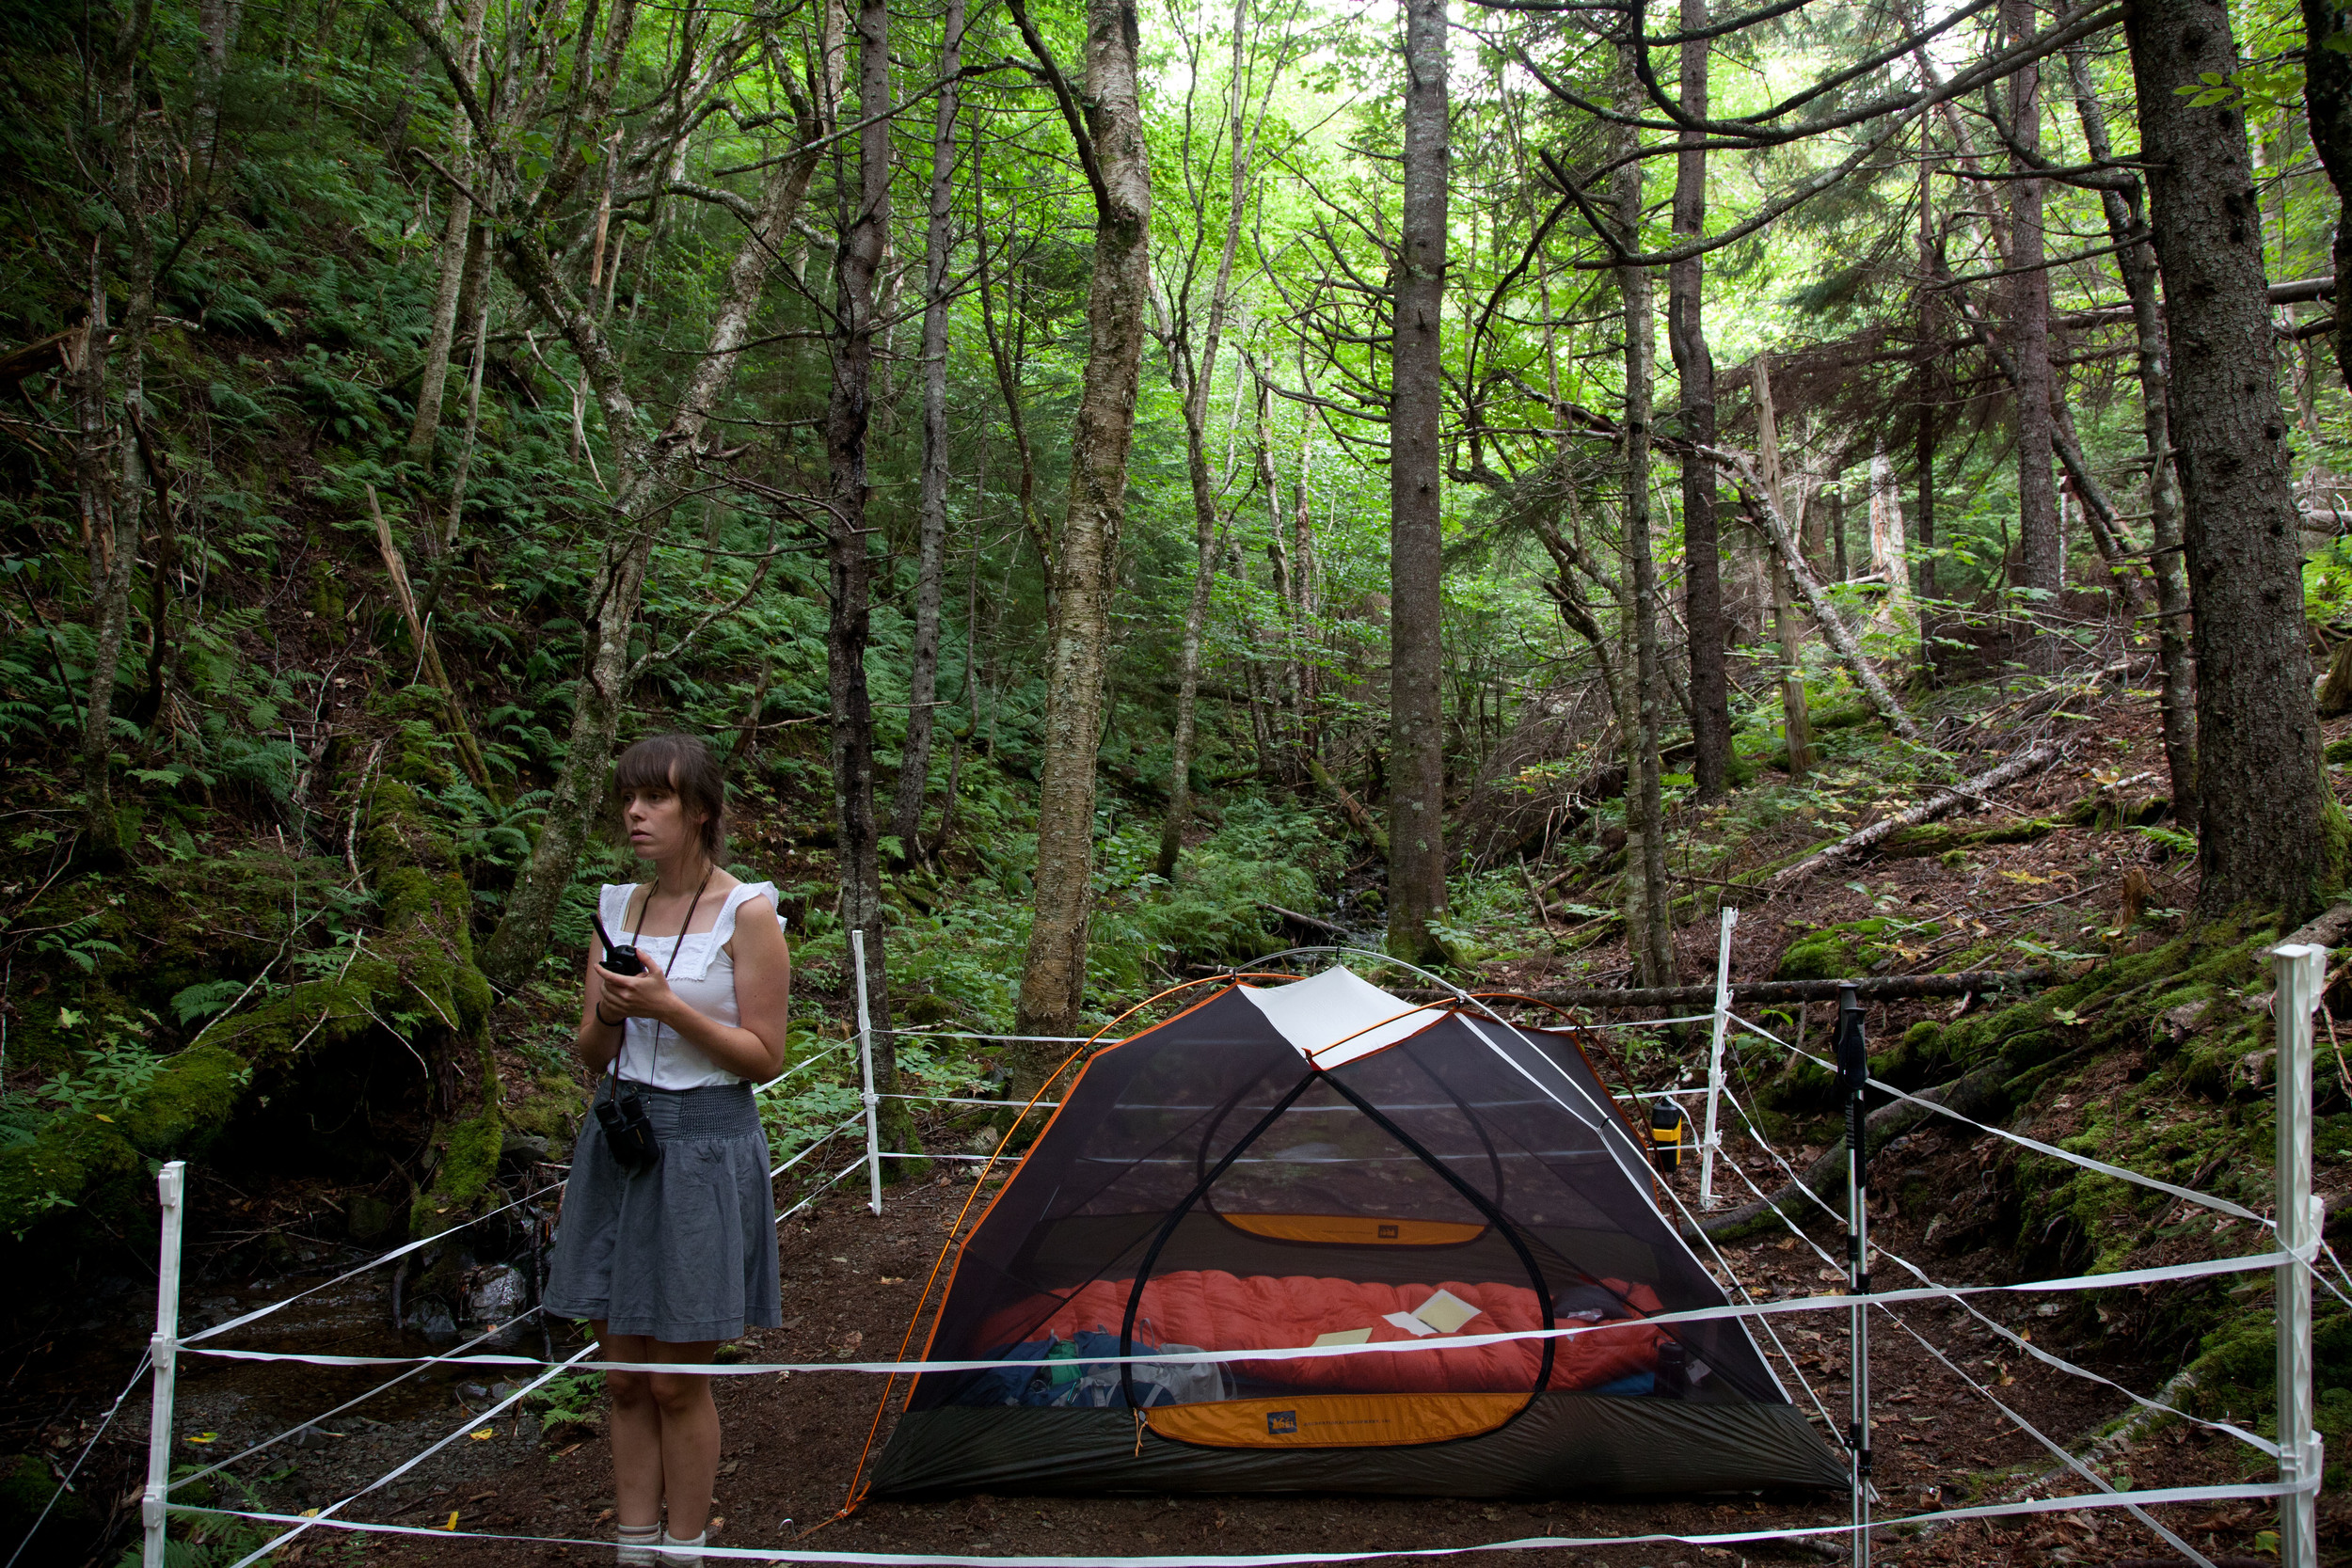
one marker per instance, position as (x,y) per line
(1194,380)
(848,416)
(456,234)
(647,472)
(1644,814)
(2135,261)
(2265,818)
(1417,890)
(915,757)
(217,23)
(1695,372)
(2029,342)
(1110,138)
(1890,549)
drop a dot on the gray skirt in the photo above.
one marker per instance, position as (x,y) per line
(683,1251)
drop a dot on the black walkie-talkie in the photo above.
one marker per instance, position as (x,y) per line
(620,959)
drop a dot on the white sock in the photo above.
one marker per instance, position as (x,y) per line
(680,1552)
(635,1545)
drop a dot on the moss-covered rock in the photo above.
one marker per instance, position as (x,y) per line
(469,1151)
(420,960)
(26,1487)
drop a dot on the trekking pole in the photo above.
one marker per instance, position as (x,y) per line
(1715,1059)
(162,1350)
(2300,971)
(866,1062)
(1854,1078)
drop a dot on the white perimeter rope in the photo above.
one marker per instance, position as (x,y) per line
(403,1251)
(261,1312)
(815,1144)
(2118,1172)
(1741,1285)
(2163,1274)
(854,1166)
(2027,1427)
(2027,1346)
(2061,1453)
(2152,1496)
(303,1523)
(451,1354)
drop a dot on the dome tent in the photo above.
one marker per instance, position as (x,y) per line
(1324,1163)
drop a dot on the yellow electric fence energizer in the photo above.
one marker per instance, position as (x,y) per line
(1666,1124)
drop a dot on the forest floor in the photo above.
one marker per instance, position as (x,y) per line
(851,1280)
(793,1442)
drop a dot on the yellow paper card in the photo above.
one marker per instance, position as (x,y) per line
(1445,1312)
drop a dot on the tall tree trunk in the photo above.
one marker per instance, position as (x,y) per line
(1796,720)
(914,758)
(1303,595)
(1890,547)
(1054,973)
(849,413)
(1417,890)
(1694,370)
(456,242)
(1925,400)
(1193,383)
(1839,568)
(2136,259)
(109,395)
(2327,113)
(2030,342)
(1646,818)
(217,23)
(2265,813)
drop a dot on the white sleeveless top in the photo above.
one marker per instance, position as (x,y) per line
(702,974)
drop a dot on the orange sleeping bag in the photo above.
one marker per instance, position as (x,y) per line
(1217,1310)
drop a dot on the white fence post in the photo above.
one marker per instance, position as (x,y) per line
(170,1186)
(2300,969)
(866,1061)
(1715,1059)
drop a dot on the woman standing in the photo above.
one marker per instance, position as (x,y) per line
(667,1243)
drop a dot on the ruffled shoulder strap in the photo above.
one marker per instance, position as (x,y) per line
(745,894)
(612,907)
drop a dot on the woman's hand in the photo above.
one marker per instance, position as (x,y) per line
(648,995)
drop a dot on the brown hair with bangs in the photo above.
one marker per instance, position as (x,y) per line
(682,764)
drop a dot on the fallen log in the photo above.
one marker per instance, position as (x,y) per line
(2328,930)
(1757,496)
(1307,920)
(1873,988)
(1825,1177)
(2033,760)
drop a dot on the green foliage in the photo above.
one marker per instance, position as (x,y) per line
(567,1399)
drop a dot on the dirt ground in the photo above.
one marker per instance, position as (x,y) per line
(851,1280)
